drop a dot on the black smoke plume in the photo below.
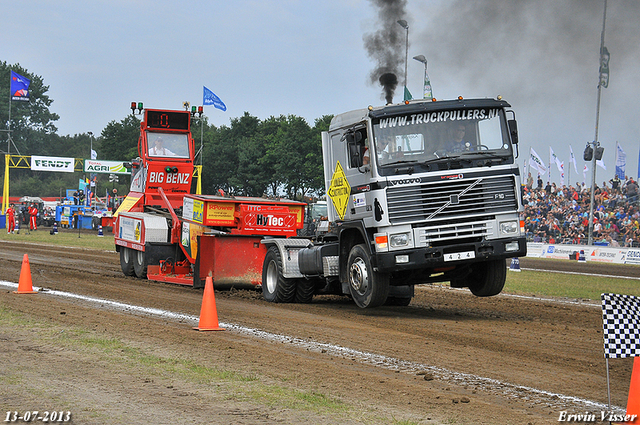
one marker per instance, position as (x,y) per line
(389,82)
(386,46)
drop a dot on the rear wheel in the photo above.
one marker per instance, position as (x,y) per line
(368,288)
(276,288)
(140,264)
(126,261)
(488,278)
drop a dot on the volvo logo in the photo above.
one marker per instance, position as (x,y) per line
(415,180)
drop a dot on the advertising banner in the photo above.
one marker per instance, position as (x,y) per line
(601,254)
(51,163)
(100,166)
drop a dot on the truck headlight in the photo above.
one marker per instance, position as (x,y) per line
(509,227)
(399,240)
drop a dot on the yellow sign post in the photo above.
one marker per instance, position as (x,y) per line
(339,191)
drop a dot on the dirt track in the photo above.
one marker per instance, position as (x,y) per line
(448,357)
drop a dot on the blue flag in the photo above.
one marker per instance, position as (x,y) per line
(621,161)
(19,87)
(209,98)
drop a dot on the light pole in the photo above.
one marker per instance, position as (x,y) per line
(91,144)
(405,25)
(426,93)
(596,151)
(95,187)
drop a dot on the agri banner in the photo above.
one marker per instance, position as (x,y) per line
(99,166)
(52,163)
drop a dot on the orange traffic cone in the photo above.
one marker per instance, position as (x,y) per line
(208,312)
(24,285)
(633,403)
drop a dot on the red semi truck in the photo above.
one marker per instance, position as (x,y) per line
(164,232)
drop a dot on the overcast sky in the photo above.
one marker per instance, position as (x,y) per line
(309,59)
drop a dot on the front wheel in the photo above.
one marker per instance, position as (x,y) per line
(368,288)
(488,278)
(276,288)
(126,261)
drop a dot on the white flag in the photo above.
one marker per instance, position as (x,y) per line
(536,162)
(555,159)
(94,154)
(584,173)
(562,174)
(573,160)
(600,163)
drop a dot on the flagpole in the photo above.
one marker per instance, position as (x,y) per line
(595,140)
(9,124)
(549,165)
(5,189)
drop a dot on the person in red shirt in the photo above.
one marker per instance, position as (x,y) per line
(11,219)
(33,214)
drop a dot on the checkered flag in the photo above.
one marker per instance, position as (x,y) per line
(621,324)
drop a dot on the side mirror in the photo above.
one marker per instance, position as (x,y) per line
(354,155)
(352,136)
(513,131)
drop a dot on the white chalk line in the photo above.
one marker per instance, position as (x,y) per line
(522,392)
(582,274)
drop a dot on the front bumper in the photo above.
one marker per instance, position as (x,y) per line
(446,256)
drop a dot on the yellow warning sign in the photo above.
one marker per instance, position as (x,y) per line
(339,191)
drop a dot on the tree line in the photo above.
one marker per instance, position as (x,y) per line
(277,156)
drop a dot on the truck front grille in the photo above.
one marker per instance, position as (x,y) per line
(445,203)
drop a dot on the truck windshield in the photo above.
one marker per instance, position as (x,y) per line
(168,144)
(444,134)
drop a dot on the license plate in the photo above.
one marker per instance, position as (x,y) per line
(456,256)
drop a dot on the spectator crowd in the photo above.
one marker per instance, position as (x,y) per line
(560,215)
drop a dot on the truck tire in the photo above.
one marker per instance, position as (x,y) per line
(488,278)
(140,264)
(368,288)
(126,261)
(276,288)
(304,291)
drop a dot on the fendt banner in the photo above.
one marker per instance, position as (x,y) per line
(52,163)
